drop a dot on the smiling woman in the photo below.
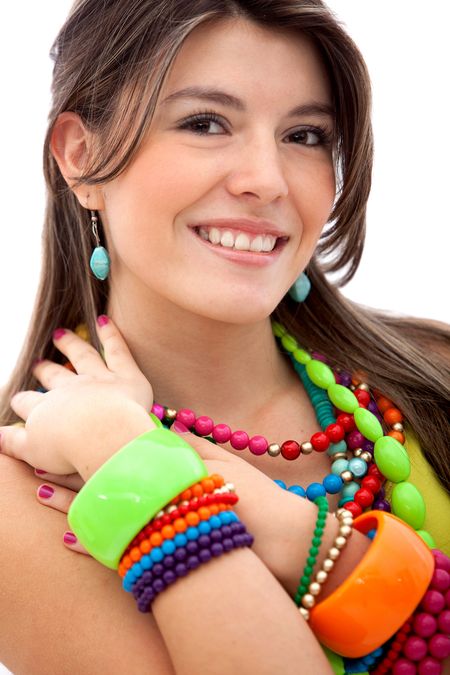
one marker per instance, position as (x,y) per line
(207,164)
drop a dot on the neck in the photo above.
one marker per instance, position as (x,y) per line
(211,367)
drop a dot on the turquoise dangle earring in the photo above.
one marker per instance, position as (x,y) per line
(300,288)
(100,260)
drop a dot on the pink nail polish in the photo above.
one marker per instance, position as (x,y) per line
(45,492)
(70,538)
(39,471)
(58,333)
(102,320)
(179,427)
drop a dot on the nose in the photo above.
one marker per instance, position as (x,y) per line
(258,170)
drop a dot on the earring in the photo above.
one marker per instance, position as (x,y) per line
(100,260)
(300,288)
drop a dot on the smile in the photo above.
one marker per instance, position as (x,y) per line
(243,247)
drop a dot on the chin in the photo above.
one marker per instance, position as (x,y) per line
(240,310)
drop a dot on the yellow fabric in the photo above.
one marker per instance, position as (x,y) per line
(437,500)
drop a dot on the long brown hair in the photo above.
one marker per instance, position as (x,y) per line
(110,62)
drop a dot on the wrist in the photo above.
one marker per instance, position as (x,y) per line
(123,423)
(294,539)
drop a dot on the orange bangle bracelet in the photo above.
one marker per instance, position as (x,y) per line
(382,591)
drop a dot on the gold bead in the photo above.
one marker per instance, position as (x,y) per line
(327,565)
(306,448)
(366,456)
(363,386)
(338,513)
(340,542)
(352,387)
(230,487)
(82,331)
(171,508)
(170,414)
(398,426)
(160,514)
(321,576)
(347,521)
(304,612)
(357,452)
(346,513)
(338,455)
(314,588)
(308,600)
(274,450)
(345,530)
(347,476)
(334,553)
(185,502)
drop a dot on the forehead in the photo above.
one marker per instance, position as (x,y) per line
(266,65)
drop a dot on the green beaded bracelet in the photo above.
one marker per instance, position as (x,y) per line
(129,489)
(305,579)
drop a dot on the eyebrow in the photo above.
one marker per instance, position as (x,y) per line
(217,96)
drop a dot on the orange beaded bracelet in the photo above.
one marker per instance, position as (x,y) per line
(381,592)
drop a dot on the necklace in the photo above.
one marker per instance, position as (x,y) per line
(381,457)
(362,456)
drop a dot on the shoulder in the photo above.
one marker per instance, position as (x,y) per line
(49,593)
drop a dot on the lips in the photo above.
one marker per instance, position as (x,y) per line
(246,258)
(252,227)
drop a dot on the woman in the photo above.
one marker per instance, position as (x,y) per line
(178,132)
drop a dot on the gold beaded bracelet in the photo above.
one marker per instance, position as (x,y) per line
(345,519)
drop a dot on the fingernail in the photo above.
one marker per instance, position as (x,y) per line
(179,427)
(70,538)
(102,320)
(39,471)
(45,492)
(58,333)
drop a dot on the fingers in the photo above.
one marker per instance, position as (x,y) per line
(116,353)
(72,542)
(60,498)
(51,374)
(83,356)
(72,481)
(13,442)
(24,401)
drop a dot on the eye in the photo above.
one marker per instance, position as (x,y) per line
(201,122)
(306,136)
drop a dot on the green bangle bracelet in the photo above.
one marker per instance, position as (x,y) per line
(129,489)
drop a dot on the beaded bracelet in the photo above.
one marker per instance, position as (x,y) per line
(167,568)
(322,504)
(345,530)
(168,532)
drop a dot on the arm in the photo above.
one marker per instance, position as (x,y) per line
(58,608)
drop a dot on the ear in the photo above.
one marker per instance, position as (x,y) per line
(69,144)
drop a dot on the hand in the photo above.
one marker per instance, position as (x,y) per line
(263,506)
(85,416)
(266,509)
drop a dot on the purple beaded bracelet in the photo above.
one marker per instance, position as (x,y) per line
(184,560)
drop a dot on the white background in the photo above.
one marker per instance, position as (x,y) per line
(405,264)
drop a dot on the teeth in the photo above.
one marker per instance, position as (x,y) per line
(227,239)
(257,243)
(240,241)
(214,235)
(268,243)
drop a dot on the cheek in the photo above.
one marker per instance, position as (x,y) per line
(315,192)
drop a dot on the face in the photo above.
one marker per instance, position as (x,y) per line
(246,159)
